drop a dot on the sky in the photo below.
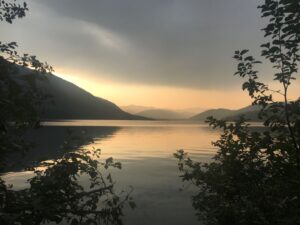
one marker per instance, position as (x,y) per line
(171,54)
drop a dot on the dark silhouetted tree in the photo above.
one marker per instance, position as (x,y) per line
(255,176)
(54,193)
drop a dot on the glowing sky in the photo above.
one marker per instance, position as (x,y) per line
(162,53)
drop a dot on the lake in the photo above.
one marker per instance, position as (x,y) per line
(146,150)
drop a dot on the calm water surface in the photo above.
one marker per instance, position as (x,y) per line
(145,149)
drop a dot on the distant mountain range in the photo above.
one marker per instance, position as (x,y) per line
(134,109)
(72,102)
(250,113)
(161,114)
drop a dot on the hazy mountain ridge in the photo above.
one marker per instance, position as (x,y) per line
(134,109)
(73,102)
(159,113)
(162,114)
(250,113)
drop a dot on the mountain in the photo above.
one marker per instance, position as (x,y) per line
(248,109)
(250,113)
(189,112)
(249,116)
(134,109)
(216,113)
(159,113)
(72,102)
(162,114)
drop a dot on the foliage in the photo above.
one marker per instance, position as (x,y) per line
(18,91)
(11,10)
(255,176)
(56,192)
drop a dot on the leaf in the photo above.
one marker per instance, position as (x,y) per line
(249,58)
(243,52)
(132,204)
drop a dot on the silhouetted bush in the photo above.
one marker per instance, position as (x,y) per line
(55,192)
(255,176)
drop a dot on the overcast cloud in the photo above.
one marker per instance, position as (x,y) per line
(185,43)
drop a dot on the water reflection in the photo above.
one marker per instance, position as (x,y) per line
(48,143)
(157,142)
(145,149)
